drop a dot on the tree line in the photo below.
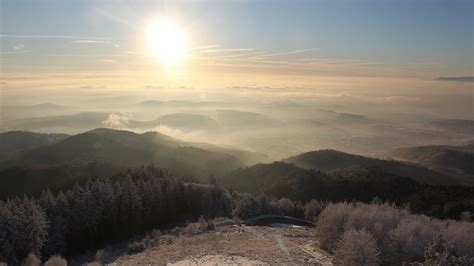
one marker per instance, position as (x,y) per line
(109,210)
(287,180)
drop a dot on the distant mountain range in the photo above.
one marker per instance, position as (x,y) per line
(459,79)
(116,150)
(31,162)
(182,121)
(78,122)
(451,160)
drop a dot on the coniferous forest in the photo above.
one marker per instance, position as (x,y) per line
(109,210)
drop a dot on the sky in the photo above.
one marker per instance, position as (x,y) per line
(240,39)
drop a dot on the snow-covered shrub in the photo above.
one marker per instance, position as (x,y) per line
(331,224)
(357,247)
(312,209)
(56,261)
(286,206)
(443,253)
(411,238)
(460,234)
(136,247)
(378,220)
(32,260)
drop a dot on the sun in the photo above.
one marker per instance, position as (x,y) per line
(167,41)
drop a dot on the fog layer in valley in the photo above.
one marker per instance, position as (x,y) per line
(367,116)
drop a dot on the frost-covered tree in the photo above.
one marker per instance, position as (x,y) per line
(312,209)
(35,225)
(331,224)
(357,248)
(57,213)
(411,238)
(32,260)
(23,227)
(247,207)
(287,206)
(56,261)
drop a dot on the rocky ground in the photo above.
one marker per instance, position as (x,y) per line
(235,245)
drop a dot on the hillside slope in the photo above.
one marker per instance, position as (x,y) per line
(331,160)
(127,148)
(182,121)
(454,161)
(282,179)
(13,142)
(110,151)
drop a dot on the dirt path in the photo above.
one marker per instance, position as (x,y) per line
(236,245)
(312,248)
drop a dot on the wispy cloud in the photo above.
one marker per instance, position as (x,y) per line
(353,62)
(36,36)
(228,50)
(197,48)
(291,52)
(70,37)
(245,55)
(107,61)
(113,17)
(14,52)
(18,46)
(92,41)
(83,55)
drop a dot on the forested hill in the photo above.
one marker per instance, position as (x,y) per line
(451,160)
(57,161)
(282,179)
(14,142)
(332,160)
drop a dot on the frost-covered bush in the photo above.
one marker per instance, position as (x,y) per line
(32,260)
(312,209)
(378,220)
(331,224)
(286,206)
(56,261)
(100,256)
(411,238)
(402,238)
(443,253)
(247,207)
(357,247)
(202,225)
(136,247)
(461,234)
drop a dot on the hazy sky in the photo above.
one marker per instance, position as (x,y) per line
(420,38)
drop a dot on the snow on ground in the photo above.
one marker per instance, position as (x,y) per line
(236,245)
(209,260)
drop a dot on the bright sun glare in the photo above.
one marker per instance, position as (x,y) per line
(166,41)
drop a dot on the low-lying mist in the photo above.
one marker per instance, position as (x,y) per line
(359,115)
